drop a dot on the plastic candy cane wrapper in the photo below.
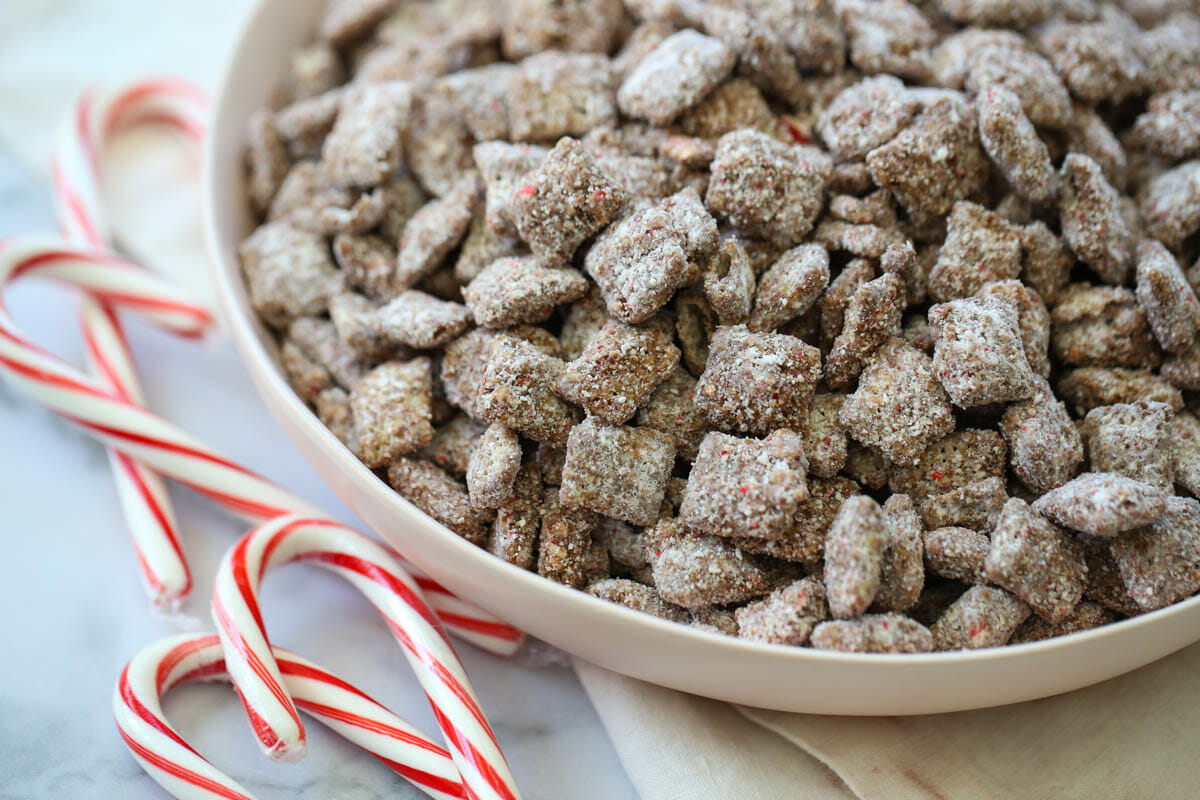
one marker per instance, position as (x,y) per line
(322,695)
(378,575)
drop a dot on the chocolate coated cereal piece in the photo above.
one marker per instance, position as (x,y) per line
(1170,127)
(1091,219)
(367,262)
(996,13)
(365,144)
(790,287)
(503,167)
(1170,204)
(563,202)
(805,539)
(899,409)
(1166,297)
(950,463)
(267,161)
(733,105)
(1160,563)
(877,208)
(888,36)
(1094,59)
(956,553)
(513,291)
(868,241)
(865,116)
(308,378)
(874,633)
(1132,439)
(902,574)
(1185,451)
(641,41)
(619,370)
(391,406)
(978,354)
(320,342)
(452,443)
(617,471)
(1036,561)
(1104,584)
(1033,321)
(675,76)
(1043,443)
(481,247)
(1183,369)
(833,303)
(555,94)
(976,506)
(956,54)
(1086,388)
(288,272)
(1102,504)
(493,467)
(901,259)
(1029,77)
(1101,326)
(810,29)
(438,144)
(766,188)
(982,617)
(345,20)
(432,490)
(1013,144)
(934,162)
(824,438)
(1168,54)
(980,247)
(872,317)
(333,409)
(518,388)
(697,571)
(531,26)
(434,231)
(1048,261)
(854,547)
(745,487)
(1084,617)
(786,616)
(421,320)
(762,55)
(756,382)
(565,543)
(481,94)
(638,597)
(729,283)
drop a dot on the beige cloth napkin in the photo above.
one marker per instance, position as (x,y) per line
(1131,738)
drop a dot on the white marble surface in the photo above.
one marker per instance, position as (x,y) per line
(74,611)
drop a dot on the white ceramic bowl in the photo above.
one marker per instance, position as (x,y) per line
(789,679)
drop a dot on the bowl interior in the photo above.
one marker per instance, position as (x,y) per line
(644,647)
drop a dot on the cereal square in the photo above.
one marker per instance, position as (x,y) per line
(619,370)
(531,26)
(367,262)
(638,597)
(982,617)
(1047,261)
(1095,59)
(1166,297)
(675,76)
(1026,76)
(854,547)
(515,291)
(566,543)
(872,317)
(563,202)
(823,435)
(766,188)
(492,469)
(865,116)
(978,354)
(1036,561)
(696,571)
(392,410)
(1086,388)
(1014,145)
(1160,563)
(1084,617)
(554,94)
(1185,451)
(617,471)
(833,303)
(519,388)
(1091,219)
(735,104)
(365,145)
(785,616)
(956,553)
(1101,326)
(746,487)
(452,443)
(503,167)
(333,409)
(421,320)
(1170,126)
(431,489)
(1102,504)
(729,283)
(757,382)
(950,463)
(805,540)
(518,523)
(480,94)
(1043,443)
(1033,320)
(288,272)
(434,231)
(981,246)
(976,506)
(888,36)
(790,287)
(762,56)
(902,574)
(933,163)
(438,144)
(1133,439)
(319,341)
(898,409)
(873,633)
(643,259)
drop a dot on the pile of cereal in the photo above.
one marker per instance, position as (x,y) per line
(864,326)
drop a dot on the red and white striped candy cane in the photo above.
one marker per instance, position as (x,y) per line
(378,575)
(187,775)
(134,431)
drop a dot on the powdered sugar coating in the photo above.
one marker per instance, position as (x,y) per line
(421,320)
(288,272)
(492,469)
(1084,617)
(617,471)
(1102,504)
(762,55)
(1013,144)
(888,36)
(786,616)
(391,406)
(555,94)
(1160,563)
(982,617)
(1132,439)
(978,354)
(854,547)
(1044,445)
(452,443)
(675,76)
(515,291)
(790,287)
(745,487)
(872,317)
(1047,260)
(435,230)
(805,540)
(1091,219)
(518,387)
(980,247)
(902,573)
(366,143)
(638,597)
(518,522)
(619,370)
(1101,326)
(866,115)
(956,553)
(873,633)
(1170,127)
(1029,77)
(823,435)
(1036,561)
(976,506)
(696,571)
(565,544)
(729,283)
(1166,297)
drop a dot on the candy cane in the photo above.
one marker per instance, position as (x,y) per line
(187,775)
(378,575)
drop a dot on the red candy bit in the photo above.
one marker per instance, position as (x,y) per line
(527,191)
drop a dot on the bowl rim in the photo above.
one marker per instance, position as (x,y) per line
(249,338)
